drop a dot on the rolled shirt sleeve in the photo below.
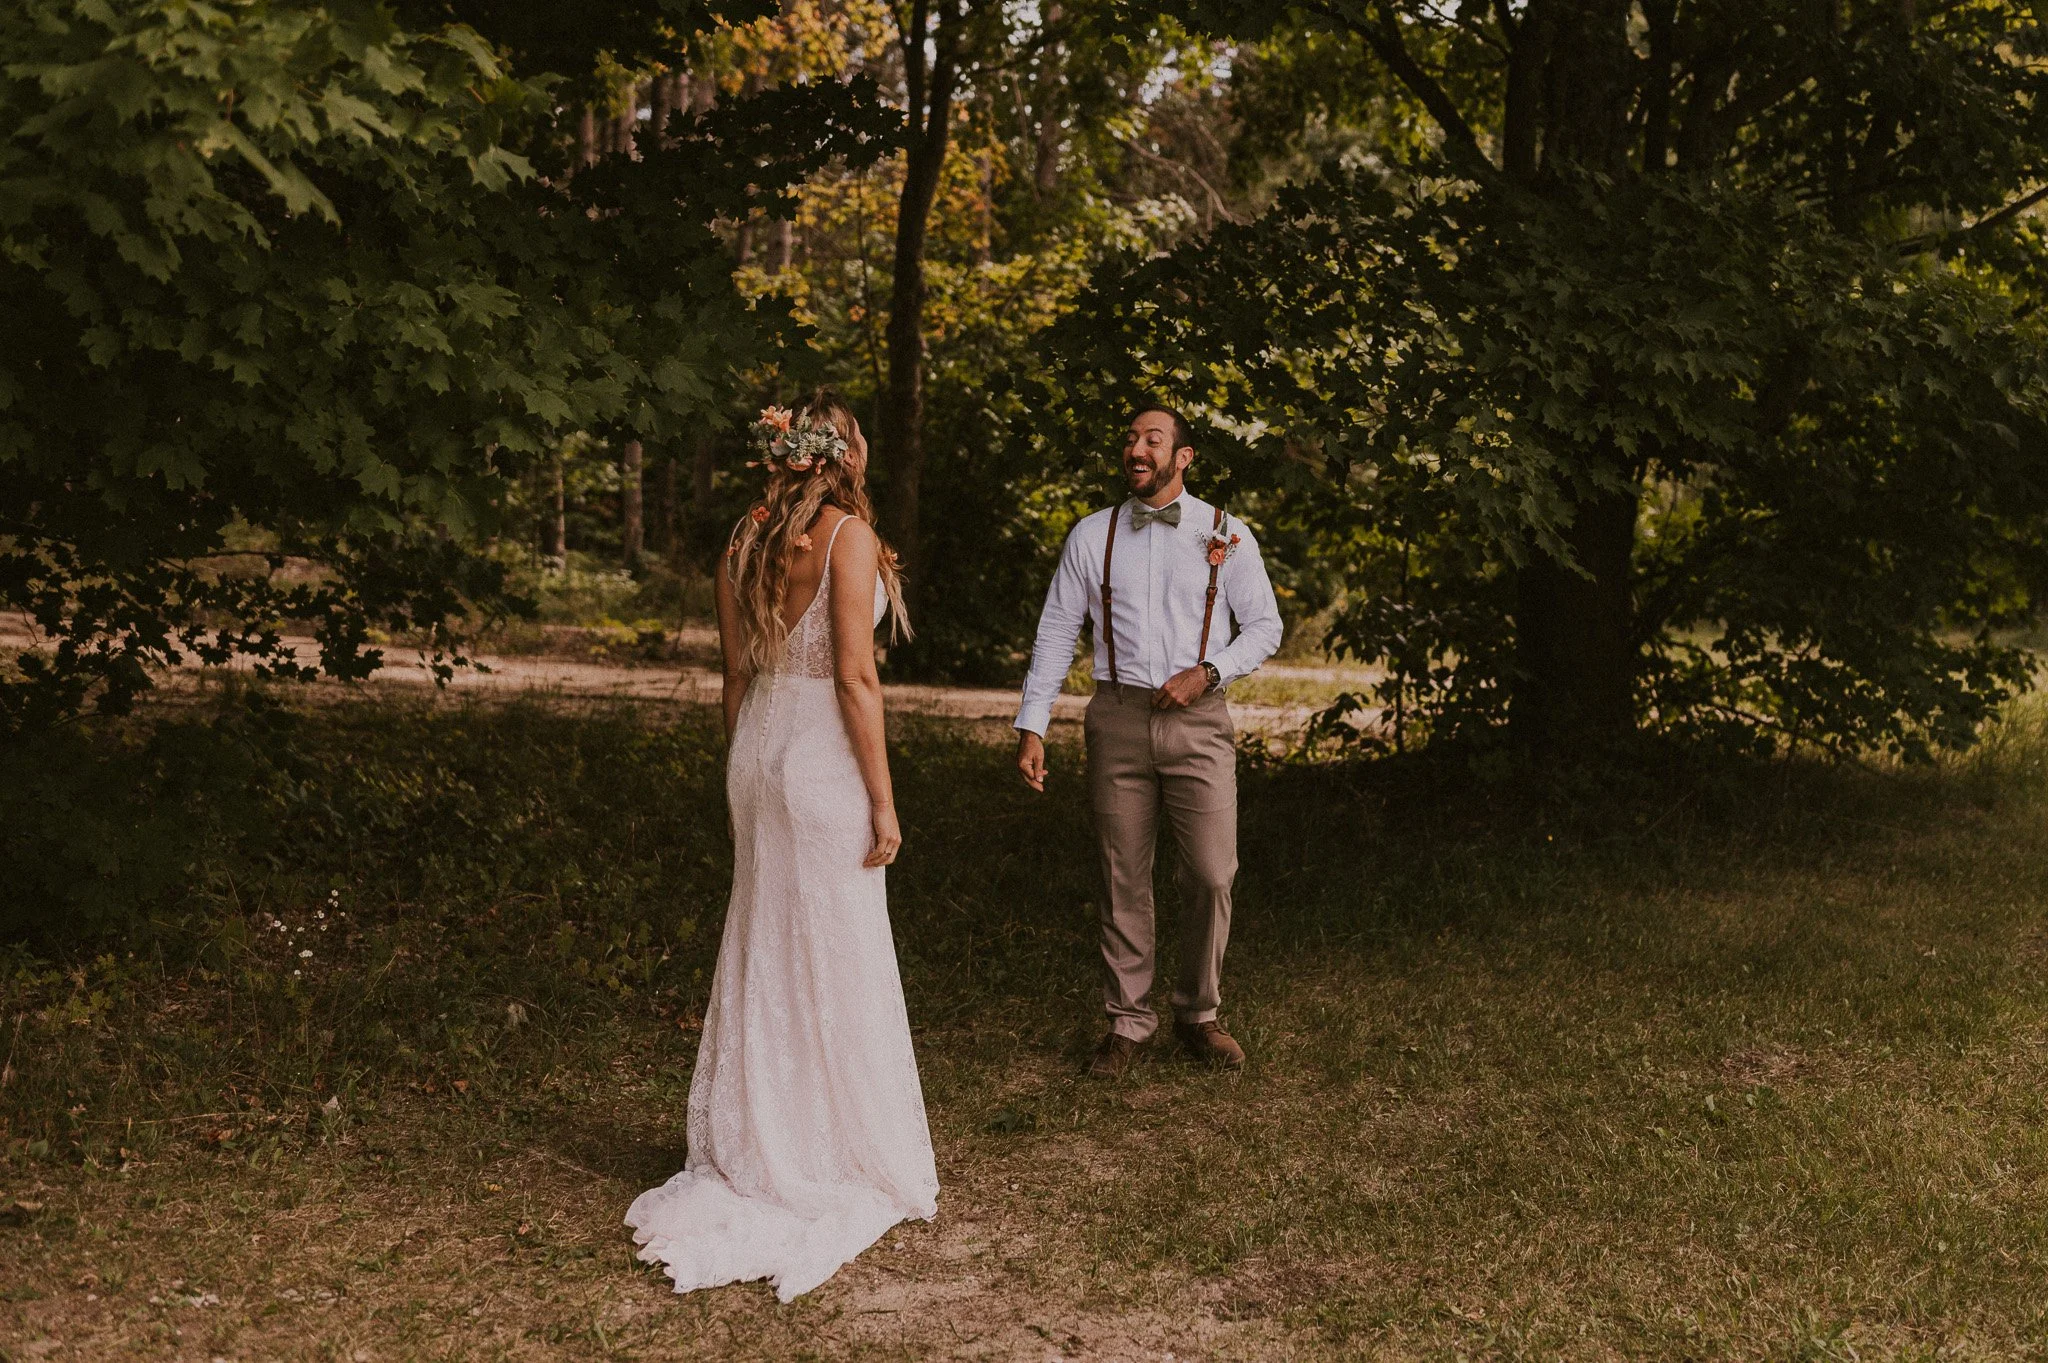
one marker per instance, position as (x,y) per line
(1059,628)
(1249,594)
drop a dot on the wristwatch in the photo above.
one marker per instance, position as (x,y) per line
(1215,677)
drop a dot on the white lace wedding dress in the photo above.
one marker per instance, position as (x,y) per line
(806,1124)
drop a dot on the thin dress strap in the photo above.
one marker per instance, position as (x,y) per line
(844,517)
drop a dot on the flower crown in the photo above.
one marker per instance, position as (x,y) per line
(796,442)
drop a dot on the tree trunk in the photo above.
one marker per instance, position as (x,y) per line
(1660,16)
(555,539)
(743,238)
(1589,87)
(1049,107)
(629,124)
(632,526)
(703,464)
(902,415)
(661,103)
(661,522)
(1574,642)
(1570,93)
(902,410)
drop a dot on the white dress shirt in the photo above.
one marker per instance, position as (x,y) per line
(1161,582)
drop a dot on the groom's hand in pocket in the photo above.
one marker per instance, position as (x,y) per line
(1031,758)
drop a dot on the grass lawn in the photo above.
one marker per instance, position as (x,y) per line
(1687,1061)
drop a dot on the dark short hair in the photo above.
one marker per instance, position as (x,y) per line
(1183,434)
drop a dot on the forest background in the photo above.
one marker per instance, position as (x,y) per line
(1724,318)
(1069,138)
(1588,369)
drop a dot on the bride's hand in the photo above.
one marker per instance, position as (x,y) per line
(888,837)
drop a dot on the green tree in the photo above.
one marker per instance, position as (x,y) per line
(1741,256)
(304,279)
(1038,180)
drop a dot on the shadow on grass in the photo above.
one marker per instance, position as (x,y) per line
(996,900)
(424,877)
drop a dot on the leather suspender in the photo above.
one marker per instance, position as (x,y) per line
(1108,629)
(1109,594)
(1209,606)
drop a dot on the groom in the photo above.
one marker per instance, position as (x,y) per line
(1162,576)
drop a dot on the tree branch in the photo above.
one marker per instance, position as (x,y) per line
(2017,206)
(1475,24)
(1930,240)
(1382,33)
(1218,208)
(912,38)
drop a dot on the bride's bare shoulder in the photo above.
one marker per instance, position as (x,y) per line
(853,532)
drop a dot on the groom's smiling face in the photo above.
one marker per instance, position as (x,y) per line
(1151,462)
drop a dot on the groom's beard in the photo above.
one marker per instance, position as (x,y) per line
(1149,481)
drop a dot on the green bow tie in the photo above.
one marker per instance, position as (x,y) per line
(1142,515)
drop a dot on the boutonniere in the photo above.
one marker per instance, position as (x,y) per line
(1218,547)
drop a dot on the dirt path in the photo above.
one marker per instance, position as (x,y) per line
(692,681)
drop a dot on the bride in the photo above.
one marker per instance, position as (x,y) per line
(807,1127)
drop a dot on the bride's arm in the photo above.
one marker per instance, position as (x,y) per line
(855,562)
(732,649)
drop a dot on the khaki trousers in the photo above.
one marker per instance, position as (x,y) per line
(1142,760)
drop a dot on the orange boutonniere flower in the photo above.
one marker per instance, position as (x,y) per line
(1220,549)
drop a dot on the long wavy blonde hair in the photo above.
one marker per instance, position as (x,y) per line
(764,547)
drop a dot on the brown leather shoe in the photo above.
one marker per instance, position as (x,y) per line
(1210,1044)
(1113,1055)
